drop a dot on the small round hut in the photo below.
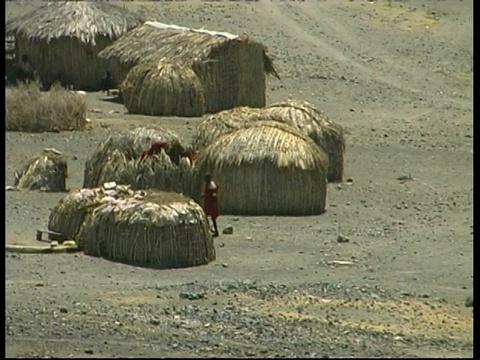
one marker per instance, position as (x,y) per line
(314,123)
(163,88)
(119,159)
(268,168)
(144,228)
(46,171)
(223,122)
(62,39)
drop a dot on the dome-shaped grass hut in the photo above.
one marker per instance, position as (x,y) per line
(302,115)
(163,88)
(62,39)
(119,159)
(231,68)
(144,228)
(216,125)
(314,123)
(46,171)
(268,168)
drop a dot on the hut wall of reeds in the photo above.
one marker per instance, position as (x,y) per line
(162,89)
(231,68)
(118,159)
(62,40)
(267,168)
(144,228)
(46,171)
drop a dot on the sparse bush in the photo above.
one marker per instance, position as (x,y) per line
(31,110)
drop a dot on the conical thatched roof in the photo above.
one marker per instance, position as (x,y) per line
(118,159)
(153,41)
(268,168)
(163,88)
(84,20)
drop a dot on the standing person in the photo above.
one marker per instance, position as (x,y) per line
(25,69)
(107,82)
(210,201)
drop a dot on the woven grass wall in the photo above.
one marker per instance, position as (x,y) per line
(46,171)
(78,62)
(233,75)
(163,89)
(117,159)
(266,169)
(161,230)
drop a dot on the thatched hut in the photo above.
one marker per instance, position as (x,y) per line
(62,39)
(144,228)
(163,88)
(46,171)
(267,168)
(231,68)
(314,123)
(302,115)
(224,122)
(118,159)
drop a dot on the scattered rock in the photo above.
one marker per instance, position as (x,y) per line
(89,352)
(228,230)
(63,310)
(155,321)
(469,301)
(343,239)
(249,238)
(225,265)
(11,188)
(191,295)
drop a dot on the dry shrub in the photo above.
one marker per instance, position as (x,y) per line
(162,88)
(118,159)
(147,228)
(31,110)
(268,168)
(46,171)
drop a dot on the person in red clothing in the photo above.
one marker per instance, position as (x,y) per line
(189,154)
(155,148)
(210,201)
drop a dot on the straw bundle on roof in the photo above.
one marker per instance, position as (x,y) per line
(118,159)
(149,228)
(46,171)
(62,39)
(216,125)
(231,68)
(71,213)
(163,88)
(314,123)
(159,229)
(268,168)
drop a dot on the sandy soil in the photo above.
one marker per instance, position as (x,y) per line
(399,79)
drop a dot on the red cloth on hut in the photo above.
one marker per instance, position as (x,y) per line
(210,200)
(155,148)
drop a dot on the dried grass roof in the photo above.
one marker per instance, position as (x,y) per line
(153,41)
(278,143)
(84,20)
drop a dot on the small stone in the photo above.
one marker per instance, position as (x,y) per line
(469,301)
(89,351)
(236,218)
(40,284)
(343,239)
(155,321)
(225,265)
(228,230)
(63,310)
(248,238)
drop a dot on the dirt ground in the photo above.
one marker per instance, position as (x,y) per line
(398,76)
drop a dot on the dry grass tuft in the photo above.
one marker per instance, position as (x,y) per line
(31,110)
(163,88)
(118,159)
(46,171)
(267,168)
(147,228)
